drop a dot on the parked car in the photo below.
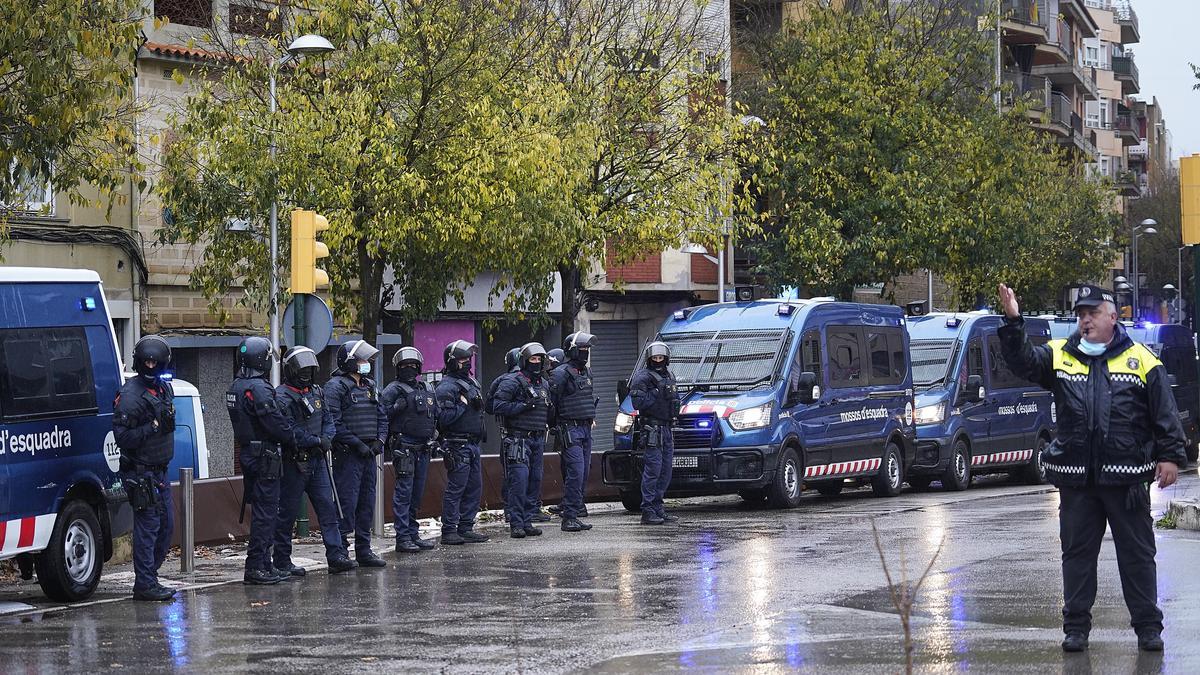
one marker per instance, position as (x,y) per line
(974,415)
(776,395)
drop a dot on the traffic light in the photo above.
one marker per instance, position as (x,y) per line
(1189,190)
(306,276)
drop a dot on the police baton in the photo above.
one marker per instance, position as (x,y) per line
(333,485)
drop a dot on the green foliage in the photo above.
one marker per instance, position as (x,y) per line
(1158,254)
(66,83)
(884,154)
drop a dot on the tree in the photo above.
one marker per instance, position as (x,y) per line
(1158,254)
(883,154)
(66,104)
(430,141)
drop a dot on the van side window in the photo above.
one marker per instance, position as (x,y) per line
(45,373)
(1001,376)
(845,357)
(882,345)
(810,353)
(975,359)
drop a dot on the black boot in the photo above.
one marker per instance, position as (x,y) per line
(1075,642)
(473,537)
(651,519)
(407,546)
(340,562)
(532,531)
(452,539)
(539,517)
(260,578)
(1150,641)
(288,571)
(517,533)
(369,559)
(156,594)
(424,544)
(572,525)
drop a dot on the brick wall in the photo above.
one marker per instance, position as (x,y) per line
(180,307)
(704,271)
(646,270)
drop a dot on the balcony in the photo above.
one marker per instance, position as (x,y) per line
(1032,90)
(1023,22)
(1126,130)
(1071,74)
(1127,20)
(1126,72)
(1059,47)
(1127,184)
(1138,152)
(1057,117)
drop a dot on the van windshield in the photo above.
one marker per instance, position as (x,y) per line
(930,361)
(726,358)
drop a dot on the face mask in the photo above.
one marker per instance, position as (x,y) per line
(533,368)
(304,378)
(1091,348)
(408,373)
(582,357)
(364,369)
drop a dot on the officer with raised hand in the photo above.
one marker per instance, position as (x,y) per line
(412,427)
(653,392)
(523,400)
(575,407)
(460,424)
(305,470)
(144,428)
(260,430)
(360,430)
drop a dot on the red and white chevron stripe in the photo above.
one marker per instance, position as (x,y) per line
(839,468)
(721,407)
(25,534)
(1002,457)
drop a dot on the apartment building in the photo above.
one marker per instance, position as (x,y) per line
(1117,80)
(1150,159)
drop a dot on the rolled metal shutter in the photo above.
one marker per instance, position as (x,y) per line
(613,359)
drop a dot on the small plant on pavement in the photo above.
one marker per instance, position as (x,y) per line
(903,593)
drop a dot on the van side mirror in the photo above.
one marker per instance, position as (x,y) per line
(622,391)
(974,392)
(805,389)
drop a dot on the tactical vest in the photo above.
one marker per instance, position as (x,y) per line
(580,403)
(531,420)
(245,426)
(418,421)
(667,407)
(470,422)
(306,409)
(360,409)
(158,449)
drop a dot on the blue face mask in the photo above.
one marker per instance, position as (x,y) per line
(1092,348)
(364,369)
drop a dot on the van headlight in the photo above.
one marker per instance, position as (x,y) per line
(751,418)
(932,414)
(624,423)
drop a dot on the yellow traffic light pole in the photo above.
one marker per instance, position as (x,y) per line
(1189,195)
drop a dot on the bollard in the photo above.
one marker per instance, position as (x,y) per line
(377,524)
(187,537)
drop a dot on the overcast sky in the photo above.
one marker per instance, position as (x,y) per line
(1170,40)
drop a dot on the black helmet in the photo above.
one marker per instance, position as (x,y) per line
(254,357)
(578,345)
(406,354)
(300,367)
(353,351)
(510,358)
(658,349)
(151,348)
(528,351)
(554,357)
(459,349)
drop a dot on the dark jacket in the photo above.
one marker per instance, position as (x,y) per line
(524,403)
(411,410)
(573,394)
(654,397)
(306,409)
(358,417)
(1116,415)
(136,411)
(254,412)
(460,408)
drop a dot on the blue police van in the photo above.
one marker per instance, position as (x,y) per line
(61,503)
(777,395)
(975,416)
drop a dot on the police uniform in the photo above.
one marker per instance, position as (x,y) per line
(460,425)
(653,393)
(575,408)
(305,471)
(144,428)
(523,400)
(412,427)
(360,428)
(261,431)
(1117,420)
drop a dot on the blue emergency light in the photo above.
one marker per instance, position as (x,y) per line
(952,322)
(704,424)
(680,314)
(785,310)
(88,304)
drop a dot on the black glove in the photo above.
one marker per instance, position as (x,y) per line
(326,444)
(166,420)
(376,447)
(362,449)
(476,403)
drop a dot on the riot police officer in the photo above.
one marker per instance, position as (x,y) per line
(460,423)
(554,359)
(360,429)
(523,400)
(144,427)
(412,427)
(260,430)
(653,392)
(510,367)
(306,467)
(575,405)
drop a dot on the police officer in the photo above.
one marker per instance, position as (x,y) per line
(523,400)
(1118,429)
(360,429)
(511,367)
(653,392)
(412,427)
(260,430)
(460,423)
(554,359)
(575,408)
(144,427)
(305,465)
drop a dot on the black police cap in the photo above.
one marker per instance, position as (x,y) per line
(1093,296)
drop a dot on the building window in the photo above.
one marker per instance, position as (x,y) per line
(185,12)
(256,21)
(33,194)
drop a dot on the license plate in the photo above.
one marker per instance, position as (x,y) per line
(686,462)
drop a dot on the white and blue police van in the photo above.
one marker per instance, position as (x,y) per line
(777,395)
(974,415)
(61,502)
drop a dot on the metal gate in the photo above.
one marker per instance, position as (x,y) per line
(613,359)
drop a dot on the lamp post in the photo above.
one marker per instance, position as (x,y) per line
(1147,227)
(1171,289)
(1179,283)
(301,46)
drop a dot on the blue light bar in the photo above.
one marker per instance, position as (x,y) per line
(785,310)
(88,304)
(704,424)
(166,377)
(680,314)
(952,322)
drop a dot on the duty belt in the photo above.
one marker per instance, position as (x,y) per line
(526,434)
(577,423)
(143,468)
(461,440)
(655,423)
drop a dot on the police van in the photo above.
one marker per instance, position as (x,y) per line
(777,395)
(974,415)
(61,503)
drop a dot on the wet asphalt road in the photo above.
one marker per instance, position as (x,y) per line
(730,589)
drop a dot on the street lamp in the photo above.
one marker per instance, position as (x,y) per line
(1147,227)
(305,45)
(1179,283)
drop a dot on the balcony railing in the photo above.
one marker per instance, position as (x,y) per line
(1128,18)
(1060,110)
(1028,12)
(1124,66)
(1124,123)
(1138,150)
(1062,38)
(1034,88)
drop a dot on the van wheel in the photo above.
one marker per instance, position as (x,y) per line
(890,478)
(1034,472)
(830,489)
(920,483)
(784,490)
(69,568)
(957,475)
(632,501)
